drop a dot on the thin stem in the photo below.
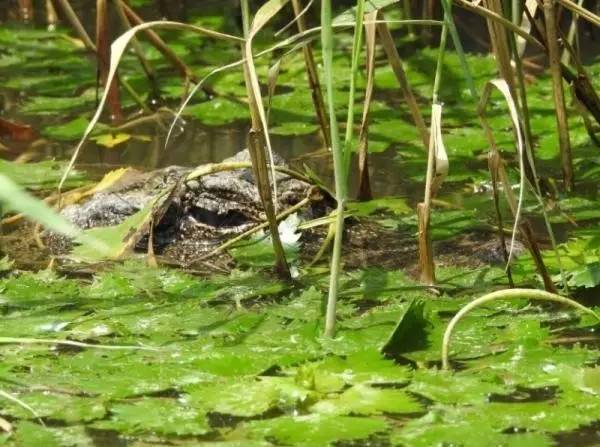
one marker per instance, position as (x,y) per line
(356,46)
(440,63)
(529,294)
(559,95)
(76,24)
(338,165)
(449,22)
(245,17)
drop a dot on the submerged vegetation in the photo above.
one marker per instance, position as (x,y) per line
(407,253)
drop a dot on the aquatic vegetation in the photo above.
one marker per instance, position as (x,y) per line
(108,341)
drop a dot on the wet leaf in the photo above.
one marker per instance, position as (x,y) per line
(365,400)
(54,406)
(313,430)
(218,111)
(394,205)
(29,434)
(41,175)
(162,416)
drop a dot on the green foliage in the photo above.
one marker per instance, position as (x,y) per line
(241,359)
(43,175)
(580,256)
(235,374)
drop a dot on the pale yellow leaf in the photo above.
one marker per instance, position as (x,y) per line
(110,140)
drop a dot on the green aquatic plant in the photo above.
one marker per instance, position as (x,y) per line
(239,358)
(341,152)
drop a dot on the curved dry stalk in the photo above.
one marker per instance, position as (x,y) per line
(20,403)
(117,50)
(155,40)
(263,15)
(191,94)
(504,88)
(298,16)
(259,139)
(530,294)
(437,170)
(299,40)
(77,344)
(516,207)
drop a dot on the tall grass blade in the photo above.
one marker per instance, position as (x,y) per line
(15,199)
(356,49)
(515,205)
(449,21)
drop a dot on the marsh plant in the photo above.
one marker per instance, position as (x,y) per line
(319,351)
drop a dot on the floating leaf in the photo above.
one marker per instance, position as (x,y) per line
(218,111)
(29,434)
(110,140)
(312,430)
(41,175)
(163,416)
(364,400)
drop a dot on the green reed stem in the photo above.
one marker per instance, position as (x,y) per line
(338,166)
(449,22)
(440,63)
(245,17)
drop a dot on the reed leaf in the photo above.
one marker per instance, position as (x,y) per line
(515,205)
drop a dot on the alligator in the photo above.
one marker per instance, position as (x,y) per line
(202,213)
